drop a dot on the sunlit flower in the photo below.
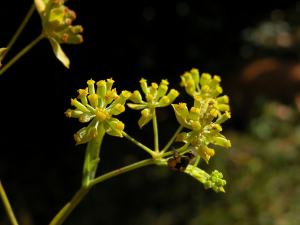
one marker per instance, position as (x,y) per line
(104,103)
(56,22)
(156,96)
(206,86)
(200,120)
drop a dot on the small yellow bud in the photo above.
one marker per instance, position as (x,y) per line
(101,115)
(120,107)
(90,82)
(77,138)
(73,101)
(120,125)
(210,152)
(181,105)
(93,97)
(195,124)
(154,85)
(126,94)
(205,88)
(101,83)
(113,94)
(186,74)
(83,92)
(218,127)
(228,114)
(143,80)
(110,81)
(206,75)
(145,113)
(223,107)
(190,82)
(166,99)
(217,78)
(149,97)
(213,112)
(228,144)
(165,87)
(193,70)
(174,93)
(195,110)
(226,99)
(198,98)
(68,113)
(164,82)
(136,94)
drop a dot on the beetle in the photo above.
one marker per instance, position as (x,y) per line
(179,162)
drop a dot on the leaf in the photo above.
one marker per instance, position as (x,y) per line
(60,55)
(136,106)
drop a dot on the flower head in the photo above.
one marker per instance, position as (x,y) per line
(156,96)
(99,107)
(200,119)
(56,22)
(209,87)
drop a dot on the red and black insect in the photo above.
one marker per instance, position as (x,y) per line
(180,162)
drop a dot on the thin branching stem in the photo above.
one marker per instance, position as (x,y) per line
(69,207)
(18,32)
(155,131)
(21,53)
(172,139)
(7,206)
(138,144)
(123,170)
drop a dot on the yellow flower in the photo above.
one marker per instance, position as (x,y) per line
(56,22)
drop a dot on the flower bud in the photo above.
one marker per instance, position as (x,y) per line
(144,86)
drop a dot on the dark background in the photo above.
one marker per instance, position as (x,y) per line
(41,168)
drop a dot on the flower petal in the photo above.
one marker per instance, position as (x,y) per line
(55,18)
(60,55)
(40,6)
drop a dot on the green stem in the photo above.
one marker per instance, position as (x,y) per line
(21,53)
(18,32)
(123,170)
(92,157)
(196,163)
(139,144)
(172,139)
(68,208)
(7,206)
(179,150)
(155,130)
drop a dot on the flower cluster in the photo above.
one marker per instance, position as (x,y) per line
(209,87)
(215,182)
(156,97)
(205,117)
(98,110)
(56,22)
